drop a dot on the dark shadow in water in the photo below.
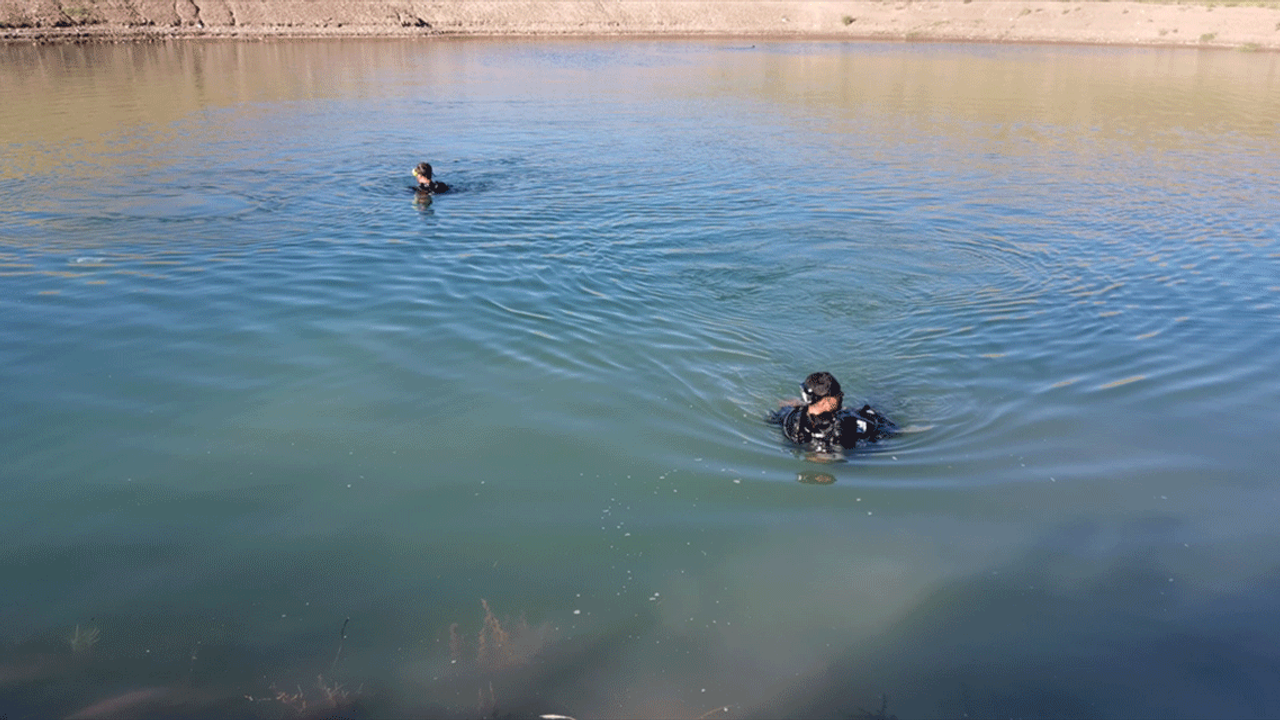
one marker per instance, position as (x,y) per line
(1049,636)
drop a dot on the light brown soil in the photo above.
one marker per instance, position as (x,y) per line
(1254,26)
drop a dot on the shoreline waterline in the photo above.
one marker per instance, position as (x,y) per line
(1208,25)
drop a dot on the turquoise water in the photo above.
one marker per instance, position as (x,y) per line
(268,417)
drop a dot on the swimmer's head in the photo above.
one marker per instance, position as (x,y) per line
(423,173)
(821,392)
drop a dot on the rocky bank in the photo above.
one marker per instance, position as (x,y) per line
(1253,26)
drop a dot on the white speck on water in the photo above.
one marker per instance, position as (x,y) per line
(577,612)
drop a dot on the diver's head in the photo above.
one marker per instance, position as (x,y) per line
(821,393)
(423,173)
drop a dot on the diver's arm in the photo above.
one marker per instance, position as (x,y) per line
(778,416)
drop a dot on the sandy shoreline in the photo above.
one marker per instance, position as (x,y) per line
(1249,27)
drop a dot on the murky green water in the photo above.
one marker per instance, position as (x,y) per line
(253,389)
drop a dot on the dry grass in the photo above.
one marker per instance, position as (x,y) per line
(327,695)
(500,644)
(83,642)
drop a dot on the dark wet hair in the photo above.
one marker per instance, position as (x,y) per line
(821,385)
(423,169)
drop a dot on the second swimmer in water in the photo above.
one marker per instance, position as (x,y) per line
(821,424)
(427,186)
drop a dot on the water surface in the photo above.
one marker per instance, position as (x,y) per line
(253,388)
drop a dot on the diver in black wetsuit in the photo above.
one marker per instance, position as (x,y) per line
(822,424)
(427,186)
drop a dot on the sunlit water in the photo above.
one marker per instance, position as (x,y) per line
(252,388)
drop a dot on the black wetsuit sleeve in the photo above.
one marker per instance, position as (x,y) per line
(791,418)
(778,416)
(864,424)
(853,429)
(438,187)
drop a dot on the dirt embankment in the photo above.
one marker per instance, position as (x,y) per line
(1255,26)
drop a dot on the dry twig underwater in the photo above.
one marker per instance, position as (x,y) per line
(333,695)
(342,637)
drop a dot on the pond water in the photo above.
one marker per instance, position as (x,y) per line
(273,427)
